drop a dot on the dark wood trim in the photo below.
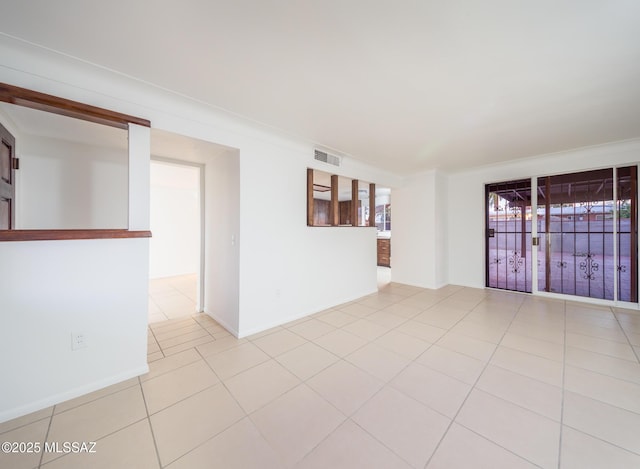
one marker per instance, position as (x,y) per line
(523,234)
(309,197)
(547,229)
(55,235)
(487,191)
(634,234)
(355,202)
(8,187)
(340,226)
(334,208)
(45,102)
(372,205)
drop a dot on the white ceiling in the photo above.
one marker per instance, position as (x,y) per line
(404,85)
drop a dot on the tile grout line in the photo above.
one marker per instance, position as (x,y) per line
(189,326)
(95,399)
(156,341)
(246,414)
(564,368)
(193,322)
(541,381)
(388,383)
(532,353)
(208,333)
(67,455)
(349,417)
(46,436)
(182,399)
(635,352)
(346,417)
(607,442)
(153,435)
(473,387)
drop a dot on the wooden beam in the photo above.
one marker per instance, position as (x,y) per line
(56,235)
(334,210)
(372,205)
(65,107)
(355,202)
(309,197)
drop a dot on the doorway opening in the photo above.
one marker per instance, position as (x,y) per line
(175,248)
(383,226)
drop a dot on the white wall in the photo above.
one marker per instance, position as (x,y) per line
(175,220)
(441,234)
(222,239)
(69,185)
(288,270)
(50,289)
(418,241)
(284,268)
(465,200)
(278,269)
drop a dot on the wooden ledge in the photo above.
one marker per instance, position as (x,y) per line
(66,107)
(54,235)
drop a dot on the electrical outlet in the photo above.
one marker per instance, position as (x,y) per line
(78,340)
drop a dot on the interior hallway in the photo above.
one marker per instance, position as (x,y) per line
(172,297)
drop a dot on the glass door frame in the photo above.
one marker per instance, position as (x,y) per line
(538,252)
(508,236)
(535,237)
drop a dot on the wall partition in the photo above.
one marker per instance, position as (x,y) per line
(586,243)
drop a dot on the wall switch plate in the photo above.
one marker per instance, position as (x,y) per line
(78,340)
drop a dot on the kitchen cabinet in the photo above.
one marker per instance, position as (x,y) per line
(384,252)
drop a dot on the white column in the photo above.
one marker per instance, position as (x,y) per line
(139,177)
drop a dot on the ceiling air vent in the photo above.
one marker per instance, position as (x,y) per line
(327,158)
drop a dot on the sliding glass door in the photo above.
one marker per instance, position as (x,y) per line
(508,238)
(586,224)
(575,220)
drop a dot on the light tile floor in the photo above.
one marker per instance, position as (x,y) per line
(172,297)
(407,377)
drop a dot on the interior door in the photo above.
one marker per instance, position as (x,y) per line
(508,237)
(7,188)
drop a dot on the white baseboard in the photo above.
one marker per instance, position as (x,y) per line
(221,321)
(10,414)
